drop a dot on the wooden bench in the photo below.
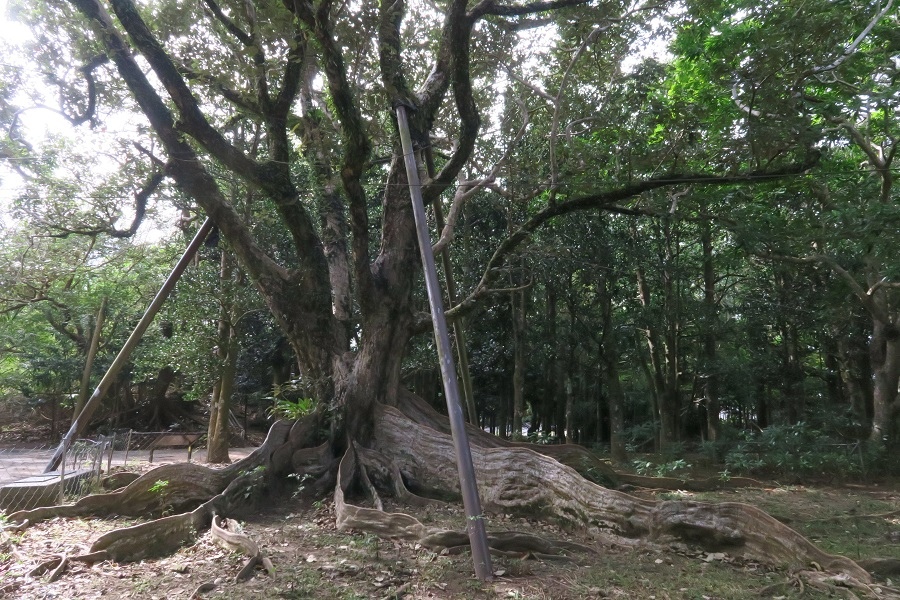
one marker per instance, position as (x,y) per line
(175,440)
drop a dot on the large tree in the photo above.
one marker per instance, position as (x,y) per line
(318,80)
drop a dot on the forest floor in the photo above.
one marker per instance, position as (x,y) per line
(314,560)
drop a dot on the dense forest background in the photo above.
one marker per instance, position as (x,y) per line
(743,304)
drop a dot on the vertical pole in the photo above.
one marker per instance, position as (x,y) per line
(127,448)
(475,520)
(81,420)
(62,480)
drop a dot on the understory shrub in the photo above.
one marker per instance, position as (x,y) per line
(798,449)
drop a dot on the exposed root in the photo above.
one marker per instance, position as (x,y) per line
(202,589)
(881,567)
(58,564)
(506,541)
(169,488)
(228,534)
(16,527)
(349,516)
(59,570)
(403,526)
(520,481)
(414,462)
(844,585)
(585,462)
(163,536)
(207,491)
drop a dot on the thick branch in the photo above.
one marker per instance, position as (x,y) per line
(140,210)
(194,122)
(465,191)
(866,297)
(875,155)
(389,57)
(458,37)
(602,200)
(186,167)
(87,72)
(230,25)
(492,7)
(273,177)
(431,93)
(356,143)
(851,49)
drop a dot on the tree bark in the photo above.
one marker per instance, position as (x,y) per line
(517,304)
(885,359)
(220,405)
(89,360)
(609,356)
(710,320)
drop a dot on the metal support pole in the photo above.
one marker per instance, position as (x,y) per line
(93,402)
(475,519)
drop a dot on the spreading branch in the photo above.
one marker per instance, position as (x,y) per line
(603,200)
(492,7)
(468,189)
(854,45)
(866,297)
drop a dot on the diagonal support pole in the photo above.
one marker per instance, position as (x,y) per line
(82,419)
(481,554)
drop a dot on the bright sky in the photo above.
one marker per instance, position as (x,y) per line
(10,32)
(37,125)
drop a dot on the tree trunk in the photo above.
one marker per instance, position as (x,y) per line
(89,361)
(220,406)
(517,304)
(854,360)
(885,358)
(710,327)
(609,356)
(548,398)
(794,401)
(158,400)
(657,372)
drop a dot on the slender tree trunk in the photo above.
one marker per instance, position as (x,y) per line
(670,424)
(89,360)
(710,320)
(791,361)
(609,356)
(885,358)
(571,430)
(220,410)
(548,402)
(518,310)
(655,372)
(855,376)
(832,376)
(459,324)
(220,406)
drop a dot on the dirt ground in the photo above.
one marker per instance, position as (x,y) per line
(313,560)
